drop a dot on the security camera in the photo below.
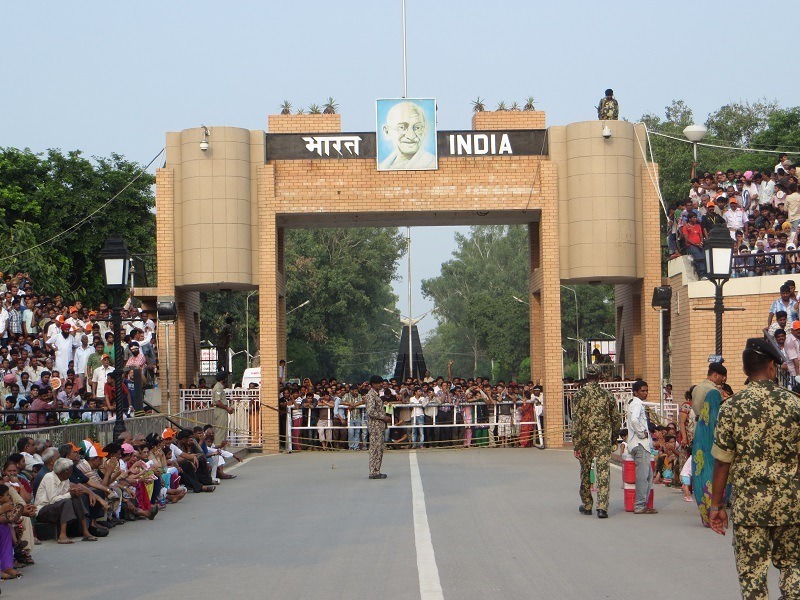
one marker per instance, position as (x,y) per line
(204,145)
(606,132)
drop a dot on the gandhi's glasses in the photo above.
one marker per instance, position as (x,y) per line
(417,128)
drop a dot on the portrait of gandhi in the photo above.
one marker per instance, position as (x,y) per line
(406,128)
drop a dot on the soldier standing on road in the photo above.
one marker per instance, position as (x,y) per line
(377,420)
(595,422)
(756,440)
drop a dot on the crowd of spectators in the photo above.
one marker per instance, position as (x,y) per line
(57,358)
(427,412)
(761,211)
(82,490)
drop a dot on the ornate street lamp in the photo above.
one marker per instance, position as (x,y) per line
(116,263)
(719,251)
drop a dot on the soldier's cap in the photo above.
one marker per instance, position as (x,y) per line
(593,370)
(764,348)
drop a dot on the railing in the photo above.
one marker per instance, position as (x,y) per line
(459,417)
(102,432)
(754,264)
(244,425)
(622,392)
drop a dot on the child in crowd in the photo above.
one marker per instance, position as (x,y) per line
(686,478)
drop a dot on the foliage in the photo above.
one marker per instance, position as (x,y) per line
(314,109)
(42,195)
(301,111)
(530,103)
(478,105)
(739,122)
(595,315)
(502,105)
(331,108)
(514,105)
(346,274)
(478,318)
(286,107)
(215,307)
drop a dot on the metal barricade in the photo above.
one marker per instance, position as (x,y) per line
(244,425)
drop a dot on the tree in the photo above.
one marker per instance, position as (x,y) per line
(739,122)
(479,322)
(42,196)
(595,316)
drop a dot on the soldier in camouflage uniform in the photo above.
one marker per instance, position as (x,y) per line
(376,424)
(595,420)
(757,443)
(608,108)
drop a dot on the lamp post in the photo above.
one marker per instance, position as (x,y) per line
(116,262)
(695,134)
(577,333)
(719,250)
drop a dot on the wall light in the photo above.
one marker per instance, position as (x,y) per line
(606,132)
(206,135)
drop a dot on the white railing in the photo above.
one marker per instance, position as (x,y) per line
(244,425)
(459,417)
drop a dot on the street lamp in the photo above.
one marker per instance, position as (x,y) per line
(719,250)
(299,306)
(116,262)
(247,325)
(577,333)
(695,134)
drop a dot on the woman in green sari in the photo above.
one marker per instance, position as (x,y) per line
(702,461)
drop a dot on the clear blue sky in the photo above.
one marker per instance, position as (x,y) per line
(108,77)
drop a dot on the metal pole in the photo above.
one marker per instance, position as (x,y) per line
(577,333)
(247,325)
(405,77)
(719,308)
(408,230)
(116,320)
(661,359)
(168,326)
(694,168)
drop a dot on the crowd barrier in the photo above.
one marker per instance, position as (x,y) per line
(244,425)
(103,431)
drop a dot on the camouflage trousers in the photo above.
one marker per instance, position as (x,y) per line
(602,476)
(376,442)
(754,547)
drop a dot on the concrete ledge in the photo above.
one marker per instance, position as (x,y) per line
(737,286)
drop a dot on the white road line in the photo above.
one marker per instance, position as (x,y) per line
(430,588)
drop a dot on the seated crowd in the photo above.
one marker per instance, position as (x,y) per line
(429,412)
(760,210)
(56,359)
(84,489)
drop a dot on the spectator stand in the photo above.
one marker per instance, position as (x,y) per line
(244,425)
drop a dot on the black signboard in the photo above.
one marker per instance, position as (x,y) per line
(298,146)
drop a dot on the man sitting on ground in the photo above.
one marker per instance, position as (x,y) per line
(59,503)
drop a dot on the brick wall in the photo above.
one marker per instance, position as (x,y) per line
(508,119)
(304,123)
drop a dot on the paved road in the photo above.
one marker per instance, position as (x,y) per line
(503,524)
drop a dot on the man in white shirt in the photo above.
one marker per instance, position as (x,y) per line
(59,503)
(766,188)
(99,376)
(3,324)
(34,369)
(82,354)
(64,343)
(735,218)
(792,349)
(639,448)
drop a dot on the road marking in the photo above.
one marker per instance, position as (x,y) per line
(430,588)
(245,461)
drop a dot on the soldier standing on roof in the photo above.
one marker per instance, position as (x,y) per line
(595,422)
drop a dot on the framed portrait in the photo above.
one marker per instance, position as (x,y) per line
(406,134)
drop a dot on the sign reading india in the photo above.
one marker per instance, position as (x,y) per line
(305,146)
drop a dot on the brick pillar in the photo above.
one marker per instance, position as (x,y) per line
(651,246)
(269,284)
(547,308)
(165,265)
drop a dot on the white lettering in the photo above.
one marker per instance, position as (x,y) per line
(464,144)
(322,144)
(494,145)
(505,145)
(452,139)
(481,143)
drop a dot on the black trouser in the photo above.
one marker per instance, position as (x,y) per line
(189,475)
(96,511)
(63,511)
(431,433)
(445,433)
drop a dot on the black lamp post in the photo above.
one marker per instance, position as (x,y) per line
(719,250)
(117,260)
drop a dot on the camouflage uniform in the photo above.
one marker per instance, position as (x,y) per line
(758,432)
(377,427)
(608,110)
(595,418)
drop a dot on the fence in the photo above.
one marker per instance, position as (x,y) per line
(458,418)
(622,392)
(102,432)
(244,425)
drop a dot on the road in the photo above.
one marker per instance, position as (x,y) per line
(503,523)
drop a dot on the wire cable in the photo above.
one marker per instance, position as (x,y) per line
(86,218)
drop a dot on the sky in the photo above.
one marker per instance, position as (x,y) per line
(105,77)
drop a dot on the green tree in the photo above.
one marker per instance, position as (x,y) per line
(43,195)
(479,321)
(595,316)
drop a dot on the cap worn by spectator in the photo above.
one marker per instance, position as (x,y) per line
(796,325)
(168,433)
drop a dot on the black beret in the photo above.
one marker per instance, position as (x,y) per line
(764,348)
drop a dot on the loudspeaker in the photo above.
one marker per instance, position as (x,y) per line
(662,297)
(166,308)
